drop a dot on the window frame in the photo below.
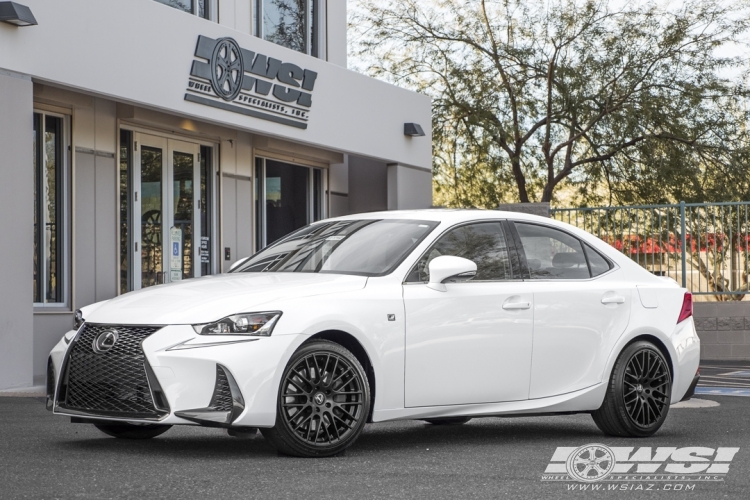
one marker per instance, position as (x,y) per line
(515,268)
(525,267)
(63,208)
(313,23)
(212,8)
(260,223)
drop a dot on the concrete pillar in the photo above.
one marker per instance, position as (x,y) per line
(338,188)
(409,187)
(335,39)
(16,230)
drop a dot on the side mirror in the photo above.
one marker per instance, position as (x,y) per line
(448,268)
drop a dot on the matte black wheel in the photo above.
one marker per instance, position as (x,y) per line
(323,402)
(447,420)
(639,392)
(132,431)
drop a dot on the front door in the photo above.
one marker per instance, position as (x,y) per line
(166,210)
(471,343)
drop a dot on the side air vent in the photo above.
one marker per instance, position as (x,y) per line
(51,383)
(225,406)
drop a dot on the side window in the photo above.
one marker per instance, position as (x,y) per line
(482,243)
(597,263)
(552,254)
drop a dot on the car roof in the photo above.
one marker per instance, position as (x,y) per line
(446,215)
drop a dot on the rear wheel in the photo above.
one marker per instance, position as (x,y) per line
(638,395)
(447,420)
(323,402)
(125,430)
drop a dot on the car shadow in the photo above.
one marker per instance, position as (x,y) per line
(387,437)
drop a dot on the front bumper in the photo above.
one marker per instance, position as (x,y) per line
(186,367)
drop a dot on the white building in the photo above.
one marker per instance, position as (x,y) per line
(129,130)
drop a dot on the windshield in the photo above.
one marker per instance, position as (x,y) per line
(361,247)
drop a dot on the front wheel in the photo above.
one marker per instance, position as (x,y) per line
(638,395)
(132,431)
(323,402)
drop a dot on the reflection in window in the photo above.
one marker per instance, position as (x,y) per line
(482,243)
(125,188)
(287,197)
(362,247)
(48,208)
(206,167)
(199,7)
(151,217)
(552,254)
(289,23)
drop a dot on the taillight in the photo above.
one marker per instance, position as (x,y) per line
(687,307)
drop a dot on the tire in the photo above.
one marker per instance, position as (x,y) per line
(323,388)
(447,420)
(638,395)
(132,431)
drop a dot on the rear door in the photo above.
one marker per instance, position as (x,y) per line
(471,343)
(581,307)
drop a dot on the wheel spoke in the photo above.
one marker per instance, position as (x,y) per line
(347,414)
(342,421)
(302,422)
(295,384)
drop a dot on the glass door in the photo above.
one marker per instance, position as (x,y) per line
(166,210)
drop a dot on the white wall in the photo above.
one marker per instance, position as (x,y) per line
(141,52)
(336,26)
(16,230)
(409,187)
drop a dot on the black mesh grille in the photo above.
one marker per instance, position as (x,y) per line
(110,383)
(222,398)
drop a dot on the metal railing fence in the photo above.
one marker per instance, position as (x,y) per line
(703,246)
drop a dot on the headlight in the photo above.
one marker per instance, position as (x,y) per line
(257,324)
(78,320)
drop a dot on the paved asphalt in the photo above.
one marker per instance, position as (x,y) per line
(43,456)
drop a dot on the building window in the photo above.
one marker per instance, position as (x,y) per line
(201,8)
(287,197)
(290,23)
(50,237)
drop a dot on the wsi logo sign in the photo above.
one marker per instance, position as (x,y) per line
(229,77)
(597,462)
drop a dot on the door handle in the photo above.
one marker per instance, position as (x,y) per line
(515,306)
(614,299)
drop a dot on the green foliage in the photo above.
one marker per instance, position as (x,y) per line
(532,99)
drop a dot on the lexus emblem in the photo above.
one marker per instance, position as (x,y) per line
(227,69)
(105,341)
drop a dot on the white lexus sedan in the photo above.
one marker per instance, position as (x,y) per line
(436,315)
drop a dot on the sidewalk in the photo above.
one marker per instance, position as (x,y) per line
(38,391)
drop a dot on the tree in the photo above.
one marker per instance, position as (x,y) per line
(545,93)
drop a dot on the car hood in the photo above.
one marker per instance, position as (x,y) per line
(210,298)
